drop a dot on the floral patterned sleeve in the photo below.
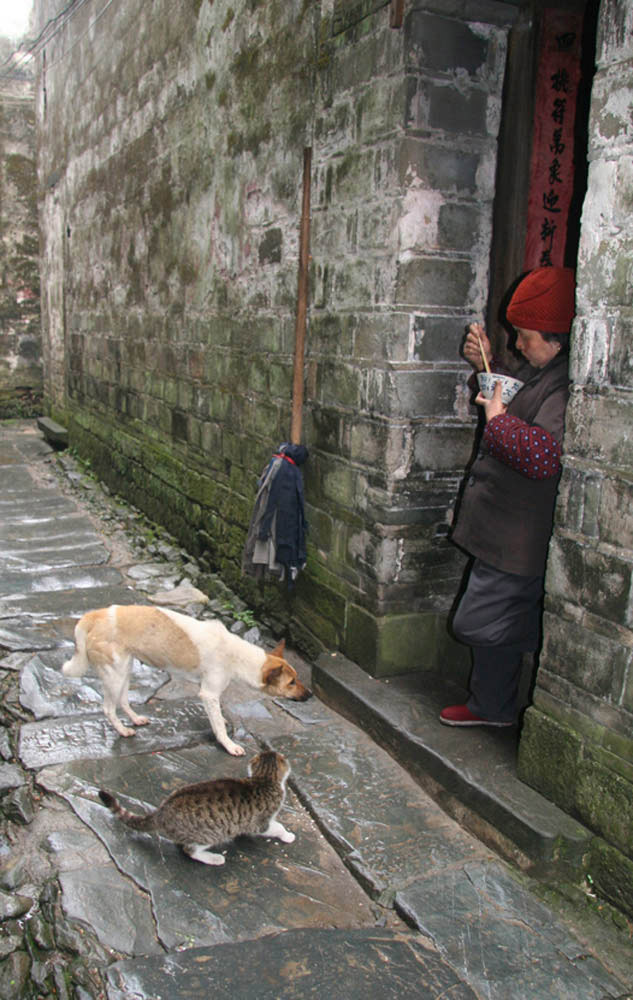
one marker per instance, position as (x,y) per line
(526,448)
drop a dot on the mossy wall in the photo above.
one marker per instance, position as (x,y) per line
(20,327)
(577,745)
(170,190)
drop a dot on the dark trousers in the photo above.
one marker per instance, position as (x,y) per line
(499,616)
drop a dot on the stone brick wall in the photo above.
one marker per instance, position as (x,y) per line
(577,744)
(170,172)
(20,328)
(405,138)
(171,144)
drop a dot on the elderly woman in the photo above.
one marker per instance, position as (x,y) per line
(506,511)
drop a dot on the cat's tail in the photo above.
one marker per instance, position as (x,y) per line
(130,819)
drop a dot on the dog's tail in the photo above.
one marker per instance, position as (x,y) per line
(79,664)
(130,819)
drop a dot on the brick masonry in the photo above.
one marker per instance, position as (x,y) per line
(577,745)
(20,327)
(170,201)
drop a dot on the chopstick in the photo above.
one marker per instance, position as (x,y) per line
(483,355)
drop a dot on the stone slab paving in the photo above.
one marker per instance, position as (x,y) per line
(509,944)
(47,606)
(401,848)
(20,586)
(381,894)
(298,965)
(72,738)
(265,885)
(46,692)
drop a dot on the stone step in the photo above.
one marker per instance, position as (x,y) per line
(54,433)
(470,772)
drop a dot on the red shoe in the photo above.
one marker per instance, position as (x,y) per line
(461,715)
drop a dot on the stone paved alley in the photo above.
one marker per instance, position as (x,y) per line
(381,894)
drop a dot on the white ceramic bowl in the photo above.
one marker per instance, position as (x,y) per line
(510,386)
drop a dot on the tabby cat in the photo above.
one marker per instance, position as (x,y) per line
(210,813)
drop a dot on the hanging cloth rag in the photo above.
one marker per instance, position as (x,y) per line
(276,540)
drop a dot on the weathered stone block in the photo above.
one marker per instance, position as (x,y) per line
(379,109)
(368,443)
(599,582)
(429,281)
(616,513)
(627,694)
(604,800)
(333,334)
(593,428)
(437,338)
(459,226)
(397,644)
(320,528)
(359,282)
(595,663)
(610,92)
(444,45)
(382,336)
(420,393)
(620,364)
(614,35)
(338,384)
(439,168)
(607,270)
(335,125)
(612,874)
(375,227)
(543,741)
(325,429)
(348,176)
(339,484)
(457,112)
(270,246)
(361,635)
(444,447)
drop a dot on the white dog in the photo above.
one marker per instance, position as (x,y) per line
(108,640)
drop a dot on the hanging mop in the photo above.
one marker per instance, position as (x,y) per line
(276,540)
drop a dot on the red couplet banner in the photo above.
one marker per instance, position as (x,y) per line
(552,158)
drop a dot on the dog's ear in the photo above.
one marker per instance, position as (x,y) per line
(279,650)
(271,674)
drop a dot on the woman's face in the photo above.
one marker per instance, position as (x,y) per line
(535,349)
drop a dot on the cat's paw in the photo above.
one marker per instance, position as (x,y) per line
(287,837)
(198,853)
(208,858)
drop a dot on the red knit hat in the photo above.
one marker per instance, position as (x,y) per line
(544,300)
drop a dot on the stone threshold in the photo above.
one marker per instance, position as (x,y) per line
(470,772)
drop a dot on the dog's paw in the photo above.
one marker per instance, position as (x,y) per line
(125,731)
(234,749)
(141,720)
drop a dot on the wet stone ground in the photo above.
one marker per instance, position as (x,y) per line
(381,894)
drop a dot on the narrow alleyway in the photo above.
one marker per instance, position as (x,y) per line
(381,894)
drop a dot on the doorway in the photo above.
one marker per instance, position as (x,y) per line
(546,109)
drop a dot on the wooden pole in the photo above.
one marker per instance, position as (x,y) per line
(396,13)
(302,303)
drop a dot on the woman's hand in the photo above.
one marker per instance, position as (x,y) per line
(471,349)
(493,407)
